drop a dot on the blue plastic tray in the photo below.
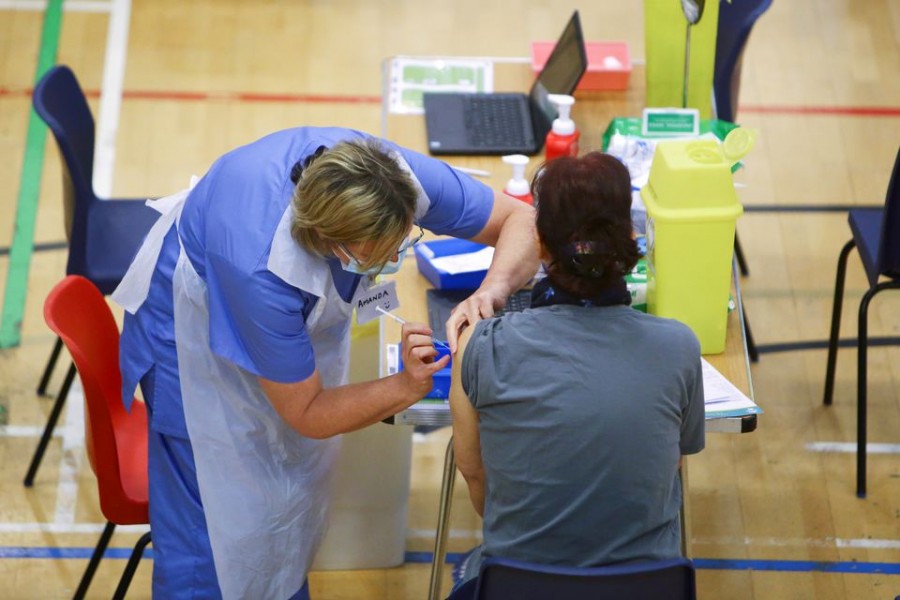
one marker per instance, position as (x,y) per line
(426,252)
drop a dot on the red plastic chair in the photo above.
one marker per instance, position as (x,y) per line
(116,440)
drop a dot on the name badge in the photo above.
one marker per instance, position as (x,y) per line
(383,295)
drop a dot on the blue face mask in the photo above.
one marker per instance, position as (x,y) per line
(389,267)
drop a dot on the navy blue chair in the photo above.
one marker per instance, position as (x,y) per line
(103,234)
(503,579)
(876,233)
(736,19)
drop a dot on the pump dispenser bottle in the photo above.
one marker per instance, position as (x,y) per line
(562,140)
(518,186)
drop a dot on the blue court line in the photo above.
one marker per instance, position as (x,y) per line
(801,566)
(35,552)
(712,564)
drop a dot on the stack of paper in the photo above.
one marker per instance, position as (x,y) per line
(722,398)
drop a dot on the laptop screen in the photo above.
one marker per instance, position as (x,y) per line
(561,73)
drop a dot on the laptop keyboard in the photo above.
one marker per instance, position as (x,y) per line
(441,302)
(495,121)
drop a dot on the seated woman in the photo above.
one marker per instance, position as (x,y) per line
(570,418)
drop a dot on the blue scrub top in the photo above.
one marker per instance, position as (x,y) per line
(257,320)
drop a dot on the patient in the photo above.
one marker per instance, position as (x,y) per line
(570,418)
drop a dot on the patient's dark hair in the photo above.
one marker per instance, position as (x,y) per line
(584,221)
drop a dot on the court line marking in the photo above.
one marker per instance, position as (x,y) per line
(68,6)
(827,542)
(237,96)
(64,528)
(111,96)
(25,431)
(850,447)
(20,252)
(453,558)
(71,457)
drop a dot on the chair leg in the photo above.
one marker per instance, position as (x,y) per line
(861,400)
(133,562)
(48,370)
(99,549)
(861,381)
(49,427)
(836,321)
(751,345)
(739,254)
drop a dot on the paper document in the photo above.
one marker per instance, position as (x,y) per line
(409,78)
(722,398)
(465,263)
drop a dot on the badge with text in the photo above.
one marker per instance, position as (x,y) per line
(367,303)
(670,122)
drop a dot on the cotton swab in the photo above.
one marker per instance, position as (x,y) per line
(403,322)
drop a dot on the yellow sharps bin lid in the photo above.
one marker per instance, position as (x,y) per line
(691,174)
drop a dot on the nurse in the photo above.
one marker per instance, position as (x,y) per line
(237,330)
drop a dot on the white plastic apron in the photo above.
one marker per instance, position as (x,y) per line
(265,489)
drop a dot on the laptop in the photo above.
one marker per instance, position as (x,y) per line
(506,123)
(441,302)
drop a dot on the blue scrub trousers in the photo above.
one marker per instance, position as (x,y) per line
(182,556)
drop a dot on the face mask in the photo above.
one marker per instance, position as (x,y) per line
(388,268)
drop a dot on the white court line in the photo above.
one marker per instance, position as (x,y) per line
(453,533)
(71,456)
(111,97)
(851,447)
(97,6)
(104,160)
(23,431)
(827,542)
(64,528)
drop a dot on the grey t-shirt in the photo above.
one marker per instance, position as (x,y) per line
(583,415)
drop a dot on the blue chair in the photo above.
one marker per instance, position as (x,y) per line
(876,232)
(104,235)
(736,19)
(502,579)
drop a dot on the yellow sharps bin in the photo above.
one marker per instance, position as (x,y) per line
(692,208)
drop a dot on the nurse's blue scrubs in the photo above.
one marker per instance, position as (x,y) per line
(257,320)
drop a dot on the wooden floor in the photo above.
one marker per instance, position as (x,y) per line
(821,82)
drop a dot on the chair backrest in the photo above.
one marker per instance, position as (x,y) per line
(116,440)
(501,579)
(889,247)
(736,19)
(60,102)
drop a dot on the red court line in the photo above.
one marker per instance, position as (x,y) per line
(221,96)
(847,111)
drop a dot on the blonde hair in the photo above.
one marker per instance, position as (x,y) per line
(354,192)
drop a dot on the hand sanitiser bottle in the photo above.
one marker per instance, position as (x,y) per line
(518,186)
(562,140)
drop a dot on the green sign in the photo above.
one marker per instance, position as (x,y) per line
(670,121)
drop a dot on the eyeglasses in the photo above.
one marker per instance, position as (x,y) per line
(409,243)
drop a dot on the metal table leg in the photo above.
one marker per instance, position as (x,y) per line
(440,538)
(685,509)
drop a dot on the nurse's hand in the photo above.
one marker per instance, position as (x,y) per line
(420,361)
(479,305)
